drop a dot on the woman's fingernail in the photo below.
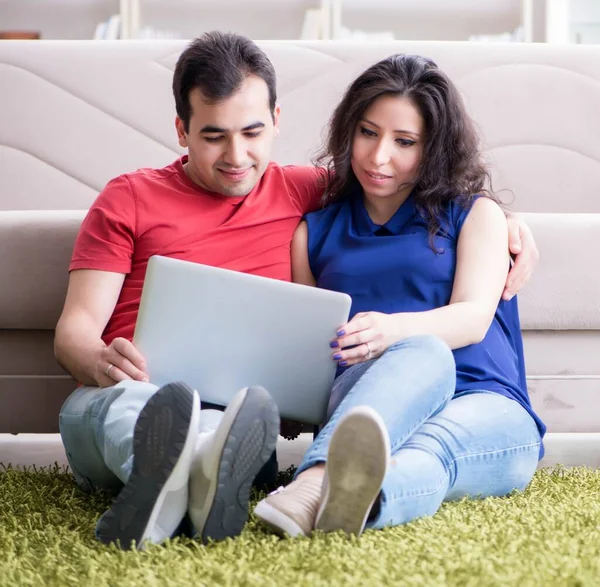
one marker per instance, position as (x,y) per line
(343,363)
(334,344)
(337,356)
(341,332)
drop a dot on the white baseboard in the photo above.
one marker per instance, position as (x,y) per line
(23,450)
(572,449)
(42,450)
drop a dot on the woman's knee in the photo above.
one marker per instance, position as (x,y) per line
(427,343)
(496,446)
(427,352)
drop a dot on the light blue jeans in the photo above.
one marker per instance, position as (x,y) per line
(445,446)
(97,425)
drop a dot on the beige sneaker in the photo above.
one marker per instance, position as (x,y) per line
(357,461)
(292,510)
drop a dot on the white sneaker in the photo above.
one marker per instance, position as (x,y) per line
(357,461)
(292,509)
(154,500)
(227,461)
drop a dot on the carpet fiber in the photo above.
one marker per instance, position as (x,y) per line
(548,535)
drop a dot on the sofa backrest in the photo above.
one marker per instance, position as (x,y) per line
(75,114)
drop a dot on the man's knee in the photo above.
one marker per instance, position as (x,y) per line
(88,398)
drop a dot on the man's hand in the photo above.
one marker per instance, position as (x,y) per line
(526,255)
(118,361)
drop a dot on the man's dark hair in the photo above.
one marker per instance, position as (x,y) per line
(217,64)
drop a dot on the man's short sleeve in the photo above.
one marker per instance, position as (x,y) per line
(107,235)
(307,185)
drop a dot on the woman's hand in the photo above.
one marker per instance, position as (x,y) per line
(369,334)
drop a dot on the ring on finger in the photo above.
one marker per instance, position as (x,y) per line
(369,352)
(107,370)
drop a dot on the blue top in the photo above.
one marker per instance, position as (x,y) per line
(392,268)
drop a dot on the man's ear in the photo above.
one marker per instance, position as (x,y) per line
(181,134)
(276,114)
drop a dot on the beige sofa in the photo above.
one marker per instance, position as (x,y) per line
(75,114)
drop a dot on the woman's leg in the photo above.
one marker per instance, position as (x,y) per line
(481,444)
(408,384)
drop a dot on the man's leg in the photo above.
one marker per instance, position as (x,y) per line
(231,449)
(98,440)
(481,444)
(143,438)
(265,478)
(103,428)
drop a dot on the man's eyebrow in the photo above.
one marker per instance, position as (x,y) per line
(406,132)
(253,126)
(209,128)
(217,129)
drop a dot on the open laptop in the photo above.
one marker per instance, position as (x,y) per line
(220,330)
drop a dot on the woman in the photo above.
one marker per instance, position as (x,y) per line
(430,402)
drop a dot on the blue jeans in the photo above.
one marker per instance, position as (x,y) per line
(445,445)
(97,425)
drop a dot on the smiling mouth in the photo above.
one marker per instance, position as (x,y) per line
(235,174)
(378,175)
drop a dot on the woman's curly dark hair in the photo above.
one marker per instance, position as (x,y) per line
(451,166)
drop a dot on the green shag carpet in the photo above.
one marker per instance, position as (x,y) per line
(548,535)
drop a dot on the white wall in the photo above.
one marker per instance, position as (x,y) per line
(427,27)
(282,19)
(56,19)
(77,19)
(257,19)
(585,21)
(557,18)
(268,19)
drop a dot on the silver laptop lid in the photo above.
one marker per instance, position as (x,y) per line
(220,330)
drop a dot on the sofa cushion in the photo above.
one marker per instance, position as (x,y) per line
(35,249)
(564,291)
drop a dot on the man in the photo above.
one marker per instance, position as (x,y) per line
(224,204)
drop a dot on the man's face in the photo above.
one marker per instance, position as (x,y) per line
(230,142)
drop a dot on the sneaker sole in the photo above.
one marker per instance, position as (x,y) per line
(358,458)
(163,444)
(250,442)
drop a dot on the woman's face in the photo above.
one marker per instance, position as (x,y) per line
(387,148)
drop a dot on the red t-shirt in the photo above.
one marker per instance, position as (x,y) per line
(162,212)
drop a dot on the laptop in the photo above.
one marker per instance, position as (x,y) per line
(220,330)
